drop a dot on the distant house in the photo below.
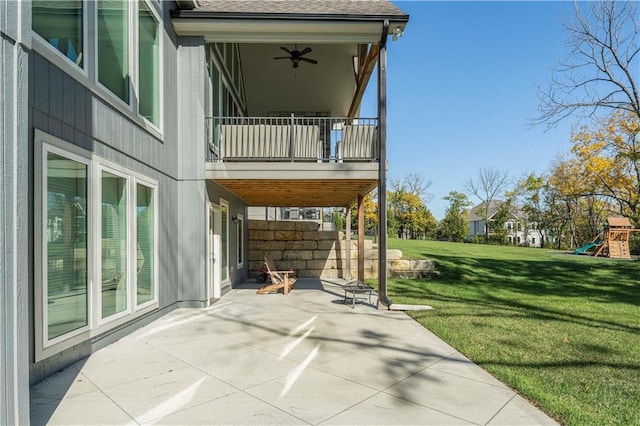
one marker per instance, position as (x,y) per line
(519,231)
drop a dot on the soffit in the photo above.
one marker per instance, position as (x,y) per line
(299,193)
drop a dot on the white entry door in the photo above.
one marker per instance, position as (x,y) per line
(213,254)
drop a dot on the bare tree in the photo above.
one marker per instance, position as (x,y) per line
(489,182)
(413,183)
(601,71)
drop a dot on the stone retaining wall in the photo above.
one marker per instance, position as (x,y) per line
(302,247)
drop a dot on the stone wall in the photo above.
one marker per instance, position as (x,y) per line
(312,253)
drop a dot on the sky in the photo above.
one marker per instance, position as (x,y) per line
(463,87)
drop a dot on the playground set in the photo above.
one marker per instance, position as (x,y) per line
(612,242)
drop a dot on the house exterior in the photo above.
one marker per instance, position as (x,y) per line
(519,232)
(136,135)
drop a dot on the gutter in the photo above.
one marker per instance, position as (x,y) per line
(205,14)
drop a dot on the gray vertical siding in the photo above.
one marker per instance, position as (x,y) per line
(70,109)
(14,213)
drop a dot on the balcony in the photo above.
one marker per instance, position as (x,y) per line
(315,139)
(301,161)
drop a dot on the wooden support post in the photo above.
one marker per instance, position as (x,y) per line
(347,262)
(360,238)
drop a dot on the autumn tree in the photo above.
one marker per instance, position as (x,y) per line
(488,183)
(454,225)
(600,72)
(610,155)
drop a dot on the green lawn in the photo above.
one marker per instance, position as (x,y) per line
(562,330)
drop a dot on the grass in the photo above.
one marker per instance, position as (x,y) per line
(562,330)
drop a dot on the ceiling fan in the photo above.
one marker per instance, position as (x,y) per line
(296,55)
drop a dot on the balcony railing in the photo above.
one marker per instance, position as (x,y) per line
(316,139)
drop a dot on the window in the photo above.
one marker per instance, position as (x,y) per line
(113,244)
(148,64)
(144,243)
(240,234)
(224,240)
(113,42)
(61,25)
(117,44)
(67,278)
(96,260)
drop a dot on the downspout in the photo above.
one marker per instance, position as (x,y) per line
(382,168)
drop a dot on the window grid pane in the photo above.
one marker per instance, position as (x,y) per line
(113,52)
(145,243)
(148,58)
(60,23)
(114,244)
(67,279)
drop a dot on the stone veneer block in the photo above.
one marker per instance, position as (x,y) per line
(422,265)
(274,245)
(282,226)
(326,254)
(310,235)
(298,255)
(307,226)
(399,265)
(394,254)
(371,254)
(287,235)
(301,245)
(326,245)
(309,273)
(258,225)
(261,235)
(326,235)
(273,254)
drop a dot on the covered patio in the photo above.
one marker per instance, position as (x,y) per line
(306,358)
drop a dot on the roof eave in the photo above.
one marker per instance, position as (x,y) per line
(278,27)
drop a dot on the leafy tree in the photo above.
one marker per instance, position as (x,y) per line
(601,70)
(610,157)
(496,227)
(488,183)
(454,225)
(531,190)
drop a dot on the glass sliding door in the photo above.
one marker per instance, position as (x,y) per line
(66,247)
(114,244)
(145,242)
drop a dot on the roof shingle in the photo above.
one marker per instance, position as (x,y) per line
(300,7)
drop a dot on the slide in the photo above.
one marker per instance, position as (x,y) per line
(587,247)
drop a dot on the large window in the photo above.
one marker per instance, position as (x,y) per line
(96,262)
(148,64)
(117,43)
(113,42)
(114,244)
(61,24)
(145,243)
(66,245)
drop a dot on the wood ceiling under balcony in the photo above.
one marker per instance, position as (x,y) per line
(299,193)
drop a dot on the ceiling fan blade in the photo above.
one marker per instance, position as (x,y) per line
(286,50)
(306,50)
(282,57)
(311,61)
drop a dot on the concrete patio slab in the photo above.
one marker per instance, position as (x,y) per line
(304,358)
